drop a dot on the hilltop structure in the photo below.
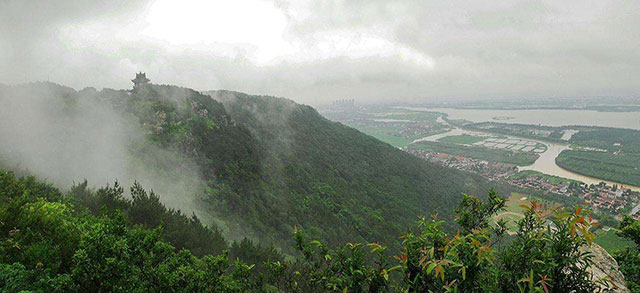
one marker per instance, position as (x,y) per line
(141,80)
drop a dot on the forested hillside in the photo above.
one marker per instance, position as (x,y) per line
(53,241)
(256,166)
(607,153)
(333,180)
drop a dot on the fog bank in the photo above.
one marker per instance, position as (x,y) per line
(64,136)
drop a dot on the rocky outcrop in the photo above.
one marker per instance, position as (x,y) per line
(606,268)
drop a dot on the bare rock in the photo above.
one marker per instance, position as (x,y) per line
(606,268)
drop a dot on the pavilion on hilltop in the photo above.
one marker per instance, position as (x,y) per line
(140,80)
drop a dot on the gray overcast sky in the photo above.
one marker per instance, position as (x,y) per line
(315,51)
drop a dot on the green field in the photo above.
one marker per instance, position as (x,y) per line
(481,153)
(415,116)
(393,140)
(516,200)
(398,141)
(462,139)
(624,168)
(520,130)
(413,128)
(611,139)
(611,242)
(514,211)
(552,179)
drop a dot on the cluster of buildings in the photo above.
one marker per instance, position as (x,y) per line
(606,197)
(491,170)
(601,197)
(603,201)
(541,183)
(414,129)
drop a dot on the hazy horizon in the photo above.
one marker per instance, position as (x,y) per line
(316,52)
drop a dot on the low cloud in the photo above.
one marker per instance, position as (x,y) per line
(367,50)
(64,137)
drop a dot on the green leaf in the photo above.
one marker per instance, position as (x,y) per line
(430,267)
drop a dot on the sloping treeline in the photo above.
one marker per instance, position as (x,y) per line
(97,241)
(268,164)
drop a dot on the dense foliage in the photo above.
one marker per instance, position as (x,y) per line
(146,209)
(615,167)
(610,139)
(629,258)
(50,246)
(265,164)
(270,164)
(49,243)
(318,174)
(269,167)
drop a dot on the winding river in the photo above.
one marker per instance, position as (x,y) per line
(547,161)
(547,164)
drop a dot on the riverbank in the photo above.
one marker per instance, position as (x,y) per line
(615,167)
(546,163)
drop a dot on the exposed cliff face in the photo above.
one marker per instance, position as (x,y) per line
(605,267)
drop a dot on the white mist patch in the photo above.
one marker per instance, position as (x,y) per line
(59,142)
(63,137)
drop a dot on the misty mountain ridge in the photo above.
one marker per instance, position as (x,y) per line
(319,146)
(256,166)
